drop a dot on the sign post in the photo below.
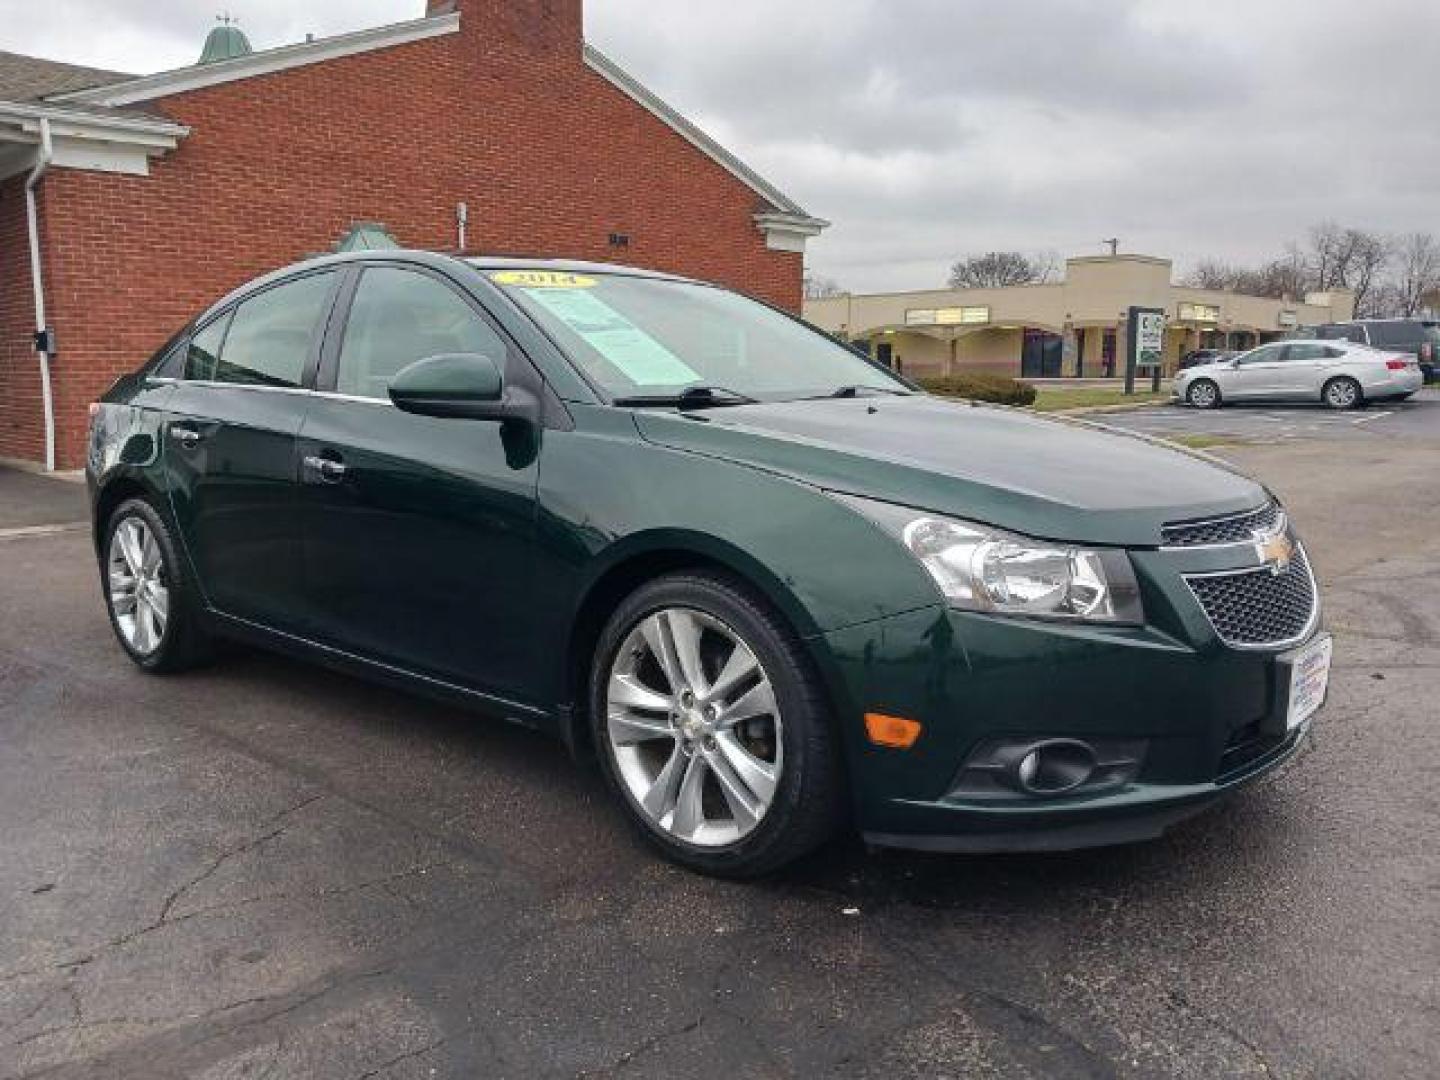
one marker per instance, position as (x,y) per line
(1145,336)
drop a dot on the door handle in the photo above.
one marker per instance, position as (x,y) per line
(188,438)
(329,471)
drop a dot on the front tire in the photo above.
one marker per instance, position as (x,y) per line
(712,729)
(151,600)
(1203,394)
(1342,394)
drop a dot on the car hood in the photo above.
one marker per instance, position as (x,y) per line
(1054,478)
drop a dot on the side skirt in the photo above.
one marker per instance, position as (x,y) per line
(514,712)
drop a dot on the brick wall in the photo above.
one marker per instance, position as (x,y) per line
(505,116)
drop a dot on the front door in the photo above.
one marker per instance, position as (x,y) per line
(230,448)
(1259,374)
(419,532)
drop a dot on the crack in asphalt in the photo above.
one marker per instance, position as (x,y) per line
(646,1046)
(229,905)
(1177,1000)
(370,1074)
(301,999)
(164,919)
(235,852)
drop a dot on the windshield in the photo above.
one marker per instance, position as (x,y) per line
(638,337)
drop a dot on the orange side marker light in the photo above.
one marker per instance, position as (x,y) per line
(893,732)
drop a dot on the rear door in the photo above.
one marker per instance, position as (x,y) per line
(230,447)
(419,532)
(1302,373)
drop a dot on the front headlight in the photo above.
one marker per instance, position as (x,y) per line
(979,568)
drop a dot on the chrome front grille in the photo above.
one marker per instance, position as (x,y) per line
(1258,609)
(1234,529)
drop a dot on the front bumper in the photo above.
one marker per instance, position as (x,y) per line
(1142,812)
(1211,718)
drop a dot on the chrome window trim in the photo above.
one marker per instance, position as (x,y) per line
(212,384)
(1311,625)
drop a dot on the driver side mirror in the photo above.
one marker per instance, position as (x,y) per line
(461,386)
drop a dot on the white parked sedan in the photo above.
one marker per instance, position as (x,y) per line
(1342,374)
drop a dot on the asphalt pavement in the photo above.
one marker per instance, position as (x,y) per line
(1263,423)
(268,870)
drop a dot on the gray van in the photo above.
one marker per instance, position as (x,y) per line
(1418,337)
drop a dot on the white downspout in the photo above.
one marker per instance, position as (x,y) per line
(37,280)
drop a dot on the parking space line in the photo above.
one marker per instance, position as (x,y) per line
(42,530)
(1367,419)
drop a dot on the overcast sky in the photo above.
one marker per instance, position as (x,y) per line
(928,129)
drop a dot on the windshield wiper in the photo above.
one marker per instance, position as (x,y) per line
(860,390)
(694,397)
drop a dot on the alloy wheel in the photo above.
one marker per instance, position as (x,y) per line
(694,727)
(139,593)
(1342,394)
(1202,395)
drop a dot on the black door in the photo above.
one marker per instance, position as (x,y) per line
(418,531)
(1043,355)
(230,448)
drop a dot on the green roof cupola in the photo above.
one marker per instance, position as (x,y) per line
(226,42)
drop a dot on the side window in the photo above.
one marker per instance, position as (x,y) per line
(1334,354)
(1269,354)
(399,317)
(1307,352)
(203,356)
(271,334)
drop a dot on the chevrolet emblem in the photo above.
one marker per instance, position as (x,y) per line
(1275,551)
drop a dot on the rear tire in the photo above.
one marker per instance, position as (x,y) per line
(1203,394)
(1342,394)
(152,601)
(679,659)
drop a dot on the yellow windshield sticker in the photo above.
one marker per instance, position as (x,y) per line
(543,279)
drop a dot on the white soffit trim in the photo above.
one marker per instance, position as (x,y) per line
(788,232)
(613,73)
(85,140)
(266,62)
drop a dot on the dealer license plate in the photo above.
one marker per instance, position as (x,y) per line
(1309,679)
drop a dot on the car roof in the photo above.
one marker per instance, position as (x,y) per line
(436,260)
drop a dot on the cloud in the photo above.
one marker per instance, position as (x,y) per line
(929,129)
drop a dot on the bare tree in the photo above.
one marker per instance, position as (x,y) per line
(1417,274)
(998,269)
(1277,279)
(1345,258)
(820,287)
(1217,275)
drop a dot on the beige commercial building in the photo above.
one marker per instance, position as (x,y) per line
(1070,328)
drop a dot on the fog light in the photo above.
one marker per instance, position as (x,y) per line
(1036,767)
(1054,768)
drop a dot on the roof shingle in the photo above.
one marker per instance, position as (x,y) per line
(29,78)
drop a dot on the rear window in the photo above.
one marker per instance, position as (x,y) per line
(271,334)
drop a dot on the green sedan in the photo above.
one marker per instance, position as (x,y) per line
(769,588)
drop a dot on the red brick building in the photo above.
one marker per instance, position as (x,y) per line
(154,195)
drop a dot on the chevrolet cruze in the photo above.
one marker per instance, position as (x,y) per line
(770,587)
